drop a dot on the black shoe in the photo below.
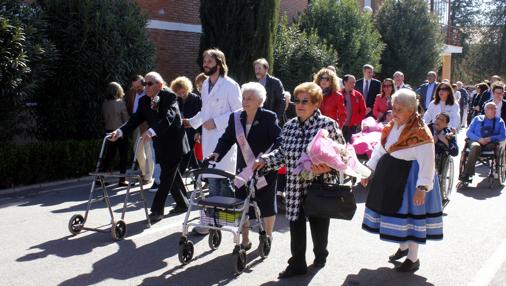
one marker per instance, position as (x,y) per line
(318,263)
(247,247)
(291,272)
(465,179)
(398,255)
(408,266)
(178,210)
(154,217)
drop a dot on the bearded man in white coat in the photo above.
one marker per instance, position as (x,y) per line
(221,96)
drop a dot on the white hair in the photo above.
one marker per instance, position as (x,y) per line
(405,97)
(490,104)
(398,73)
(257,88)
(156,76)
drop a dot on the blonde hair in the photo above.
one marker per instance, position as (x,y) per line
(311,88)
(334,81)
(183,83)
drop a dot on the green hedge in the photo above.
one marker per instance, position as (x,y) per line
(46,161)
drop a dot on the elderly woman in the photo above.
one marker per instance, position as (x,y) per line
(189,104)
(115,114)
(444,101)
(405,208)
(255,130)
(333,101)
(296,135)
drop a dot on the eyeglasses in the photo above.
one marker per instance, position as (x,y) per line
(149,83)
(301,101)
(324,78)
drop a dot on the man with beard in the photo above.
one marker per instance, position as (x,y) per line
(221,96)
(160,110)
(275,101)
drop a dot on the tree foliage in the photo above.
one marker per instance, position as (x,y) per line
(413,39)
(349,31)
(25,65)
(298,55)
(99,42)
(243,30)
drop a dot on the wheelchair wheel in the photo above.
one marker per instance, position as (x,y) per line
(500,167)
(446,180)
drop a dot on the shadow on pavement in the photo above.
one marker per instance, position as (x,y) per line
(482,191)
(131,261)
(218,271)
(384,276)
(80,244)
(297,280)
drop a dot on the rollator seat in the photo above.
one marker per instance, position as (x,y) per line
(221,202)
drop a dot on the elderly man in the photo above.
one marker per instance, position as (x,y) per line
(160,110)
(484,133)
(399,81)
(427,90)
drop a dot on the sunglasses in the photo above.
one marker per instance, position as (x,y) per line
(301,101)
(149,83)
(324,78)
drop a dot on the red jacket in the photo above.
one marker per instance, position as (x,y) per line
(357,107)
(333,107)
(380,106)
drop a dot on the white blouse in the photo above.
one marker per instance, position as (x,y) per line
(434,109)
(423,154)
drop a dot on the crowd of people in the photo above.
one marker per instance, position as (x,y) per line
(259,125)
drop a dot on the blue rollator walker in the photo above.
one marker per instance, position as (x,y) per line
(118,227)
(219,214)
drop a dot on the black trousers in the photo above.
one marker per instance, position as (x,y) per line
(110,152)
(170,180)
(189,161)
(348,131)
(319,234)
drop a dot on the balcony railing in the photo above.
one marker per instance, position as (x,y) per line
(451,35)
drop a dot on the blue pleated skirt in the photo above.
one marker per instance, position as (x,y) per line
(410,223)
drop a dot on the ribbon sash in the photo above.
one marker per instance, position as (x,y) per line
(247,154)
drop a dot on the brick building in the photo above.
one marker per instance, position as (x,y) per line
(175,29)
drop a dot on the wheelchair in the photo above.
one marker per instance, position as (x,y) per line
(491,156)
(445,169)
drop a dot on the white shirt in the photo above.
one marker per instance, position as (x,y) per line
(423,154)
(498,109)
(136,100)
(434,109)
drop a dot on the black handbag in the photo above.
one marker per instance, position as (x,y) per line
(329,201)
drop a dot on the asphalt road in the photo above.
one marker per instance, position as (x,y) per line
(37,248)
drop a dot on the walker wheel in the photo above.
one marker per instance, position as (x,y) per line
(264,247)
(119,230)
(76,224)
(185,253)
(214,239)
(240,261)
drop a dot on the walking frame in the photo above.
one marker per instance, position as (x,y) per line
(118,227)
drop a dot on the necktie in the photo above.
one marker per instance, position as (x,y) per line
(366,88)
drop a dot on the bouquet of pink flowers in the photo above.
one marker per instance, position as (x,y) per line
(323,150)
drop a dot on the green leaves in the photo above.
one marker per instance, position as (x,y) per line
(298,55)
(347,30)
(99,42)
(413,39)
(243,30)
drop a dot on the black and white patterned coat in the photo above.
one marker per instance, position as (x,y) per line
(295,138)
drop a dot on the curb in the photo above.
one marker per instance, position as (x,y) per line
(43,185)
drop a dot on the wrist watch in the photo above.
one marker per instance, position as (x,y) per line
(424,188)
